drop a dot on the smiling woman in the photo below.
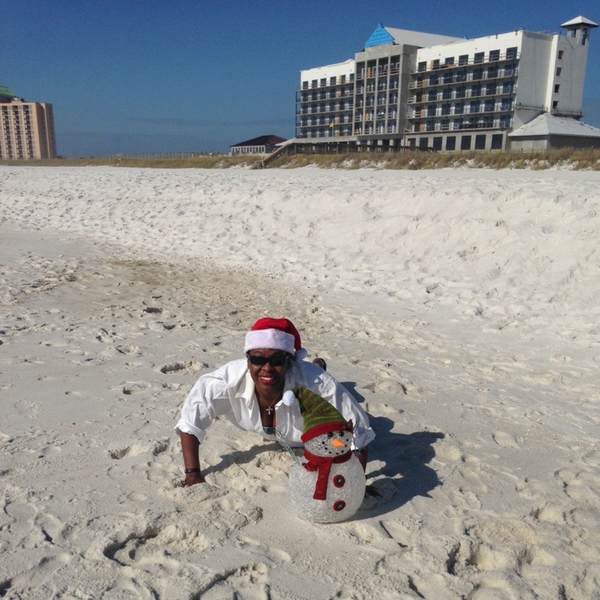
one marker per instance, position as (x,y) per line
(249,393)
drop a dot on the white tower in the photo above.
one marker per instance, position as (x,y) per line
(571,60)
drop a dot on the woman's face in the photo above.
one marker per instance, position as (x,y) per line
(268,379)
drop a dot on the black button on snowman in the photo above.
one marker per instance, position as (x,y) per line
(328,486)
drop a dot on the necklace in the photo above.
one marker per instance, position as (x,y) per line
(269,409)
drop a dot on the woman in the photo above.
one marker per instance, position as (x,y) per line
(249,391)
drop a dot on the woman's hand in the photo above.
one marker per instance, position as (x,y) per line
(193,479)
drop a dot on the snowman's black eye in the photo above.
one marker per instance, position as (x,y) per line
(341,434)
(330,434)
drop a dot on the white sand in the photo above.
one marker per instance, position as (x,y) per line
(462,308)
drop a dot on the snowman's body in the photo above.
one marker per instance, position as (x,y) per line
(345,483)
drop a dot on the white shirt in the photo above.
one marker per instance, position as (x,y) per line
(229,391)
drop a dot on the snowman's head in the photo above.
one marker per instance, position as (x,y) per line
(330,444)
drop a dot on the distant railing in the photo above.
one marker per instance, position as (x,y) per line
(154,155)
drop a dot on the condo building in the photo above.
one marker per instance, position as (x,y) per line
(432,92)
(26,128)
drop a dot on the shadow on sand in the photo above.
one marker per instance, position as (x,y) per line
(405,473)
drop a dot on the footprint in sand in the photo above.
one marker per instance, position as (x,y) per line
(153,543)
(136,387)
(250,582)
(505,440)
(37,581)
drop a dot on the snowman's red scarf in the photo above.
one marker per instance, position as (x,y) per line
(322,464)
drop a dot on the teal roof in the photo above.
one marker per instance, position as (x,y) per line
(4,91)
(379,37)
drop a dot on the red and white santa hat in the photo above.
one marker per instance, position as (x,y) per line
(275,334)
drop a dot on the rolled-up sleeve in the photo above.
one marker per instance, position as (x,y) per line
(209,397)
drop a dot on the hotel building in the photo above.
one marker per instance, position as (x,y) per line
(433,92)
(26,128)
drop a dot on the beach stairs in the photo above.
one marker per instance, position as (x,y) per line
(262,164)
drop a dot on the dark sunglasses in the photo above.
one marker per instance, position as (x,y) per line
(275,361)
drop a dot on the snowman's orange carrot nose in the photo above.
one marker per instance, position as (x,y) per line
(337,443)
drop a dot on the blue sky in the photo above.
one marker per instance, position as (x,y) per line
(181,75)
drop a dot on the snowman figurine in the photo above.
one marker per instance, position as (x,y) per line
(328,485)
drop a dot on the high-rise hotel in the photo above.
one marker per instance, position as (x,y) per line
(26,128)
(427,91)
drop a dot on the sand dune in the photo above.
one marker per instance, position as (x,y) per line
(459,306)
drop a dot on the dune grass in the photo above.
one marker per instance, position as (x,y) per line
(566,158)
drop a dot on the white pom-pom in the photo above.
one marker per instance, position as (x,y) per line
(301,354)
(289,398)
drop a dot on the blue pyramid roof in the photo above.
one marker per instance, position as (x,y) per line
(379,37)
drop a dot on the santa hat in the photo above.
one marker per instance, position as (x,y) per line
(319,416)
(275,334)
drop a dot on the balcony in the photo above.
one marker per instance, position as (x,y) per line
(468,77)
(430,66)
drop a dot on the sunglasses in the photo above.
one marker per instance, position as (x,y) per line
(275,361)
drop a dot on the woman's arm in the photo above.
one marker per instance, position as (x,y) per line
(191,459)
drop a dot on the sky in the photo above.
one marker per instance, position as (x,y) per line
(143,76)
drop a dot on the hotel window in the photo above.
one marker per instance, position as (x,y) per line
(494,55)
(343,79)
(451,143)
(465,142)
(479,57)
(461,92)
(497,141)
(436,64)
(324,81)
(511,53)
(584,35)
(555,104)
(449,61)
(437,143)
(423,143)
(332,80)
(422,66)
(463,59)
(561,54)
(558,71)
(556,88)
(480,142)
(314,83)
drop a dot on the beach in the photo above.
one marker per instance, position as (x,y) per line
(459,306)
